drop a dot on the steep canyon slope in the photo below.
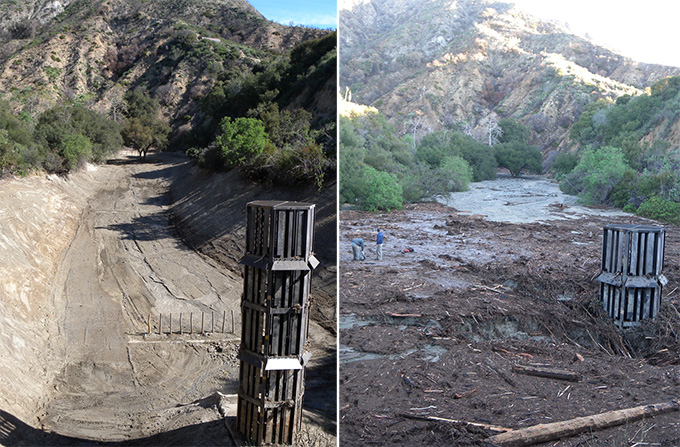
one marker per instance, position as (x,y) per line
(92,51)
(430,65)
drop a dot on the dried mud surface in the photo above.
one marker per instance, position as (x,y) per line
(437,331)
(110,382)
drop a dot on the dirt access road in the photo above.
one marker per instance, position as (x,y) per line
(118,383)
(437,331)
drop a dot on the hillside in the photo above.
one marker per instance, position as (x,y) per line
(440,64)
(92,51)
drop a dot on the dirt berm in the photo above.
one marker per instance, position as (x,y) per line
(86,260)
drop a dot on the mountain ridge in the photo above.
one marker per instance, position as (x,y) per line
(436,64)
(92,51)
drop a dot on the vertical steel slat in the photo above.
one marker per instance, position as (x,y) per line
(277,231)
(632,261)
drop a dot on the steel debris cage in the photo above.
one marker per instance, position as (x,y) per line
(275,320)
(630,280)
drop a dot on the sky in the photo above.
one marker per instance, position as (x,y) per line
(315,13)
(646,31)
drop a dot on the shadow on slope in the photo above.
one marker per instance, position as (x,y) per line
(14,432)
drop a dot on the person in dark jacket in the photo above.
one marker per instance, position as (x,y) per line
(378,245)
(358,249)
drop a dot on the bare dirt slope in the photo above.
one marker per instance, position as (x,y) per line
(437,331)
(106,378)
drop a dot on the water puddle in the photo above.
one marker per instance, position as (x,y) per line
(428,353)
(521,200)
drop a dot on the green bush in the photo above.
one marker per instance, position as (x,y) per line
(61,133)
(480,157)
(513,132)
(382,191)
(624,192)
(240,141)
(75,149)
(596,174)
(299,165)
(563,164)
(660,209)
(457,173)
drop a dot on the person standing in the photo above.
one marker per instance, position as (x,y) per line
(378,244)
(358,249)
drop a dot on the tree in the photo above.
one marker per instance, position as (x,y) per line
(518,157)
(138,136)
(351,161)
(563,164)
(513,131)
(140,104)
(415,122)
(143,129)
(382,191)
(240,141)
(458,173)
(493,130)
(434,147)
(596,175)
(75,149)
(118,105)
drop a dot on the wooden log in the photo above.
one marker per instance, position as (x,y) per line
(557,430)
(550,373)
(495,428)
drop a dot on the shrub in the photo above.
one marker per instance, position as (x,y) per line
(623,193)
(76,149)
(297,165)
(661,209)
(240,141)
(382,191)
(596,174)
(457,173)
(564,164)
(74,134)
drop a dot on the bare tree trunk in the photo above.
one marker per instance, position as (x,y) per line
(558,430)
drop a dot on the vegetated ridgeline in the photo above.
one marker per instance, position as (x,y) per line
(444,64)
(94,50)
